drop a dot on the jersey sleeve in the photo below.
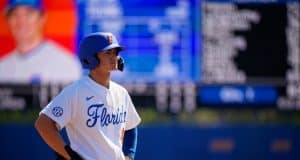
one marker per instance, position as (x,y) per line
(60,109)
(132,117)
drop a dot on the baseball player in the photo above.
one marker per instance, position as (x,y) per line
(35,59)
(98,114)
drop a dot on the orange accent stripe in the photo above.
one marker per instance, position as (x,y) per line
(59,4)
(8,45)
(61,23)
(3,4)
(3,25)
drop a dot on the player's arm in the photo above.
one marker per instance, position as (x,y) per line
(130,143)
(50,134)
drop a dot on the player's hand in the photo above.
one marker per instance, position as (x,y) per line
(59,157)
(127,158)
(74,155)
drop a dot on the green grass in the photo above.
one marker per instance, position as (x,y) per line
(28,116)
(205,116)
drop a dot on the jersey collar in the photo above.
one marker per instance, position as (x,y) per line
(97,85)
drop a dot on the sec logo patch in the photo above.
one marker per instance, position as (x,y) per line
(57,111)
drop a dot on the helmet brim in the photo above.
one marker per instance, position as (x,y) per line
(120,48)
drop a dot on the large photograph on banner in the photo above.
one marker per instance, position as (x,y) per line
(38,42)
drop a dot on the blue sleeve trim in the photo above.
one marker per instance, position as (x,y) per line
(130,142)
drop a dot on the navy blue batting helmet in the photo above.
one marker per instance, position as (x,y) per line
(93,44)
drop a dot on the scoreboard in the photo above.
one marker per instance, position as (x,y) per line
(251,53)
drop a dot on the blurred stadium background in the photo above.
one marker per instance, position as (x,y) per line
(211,79)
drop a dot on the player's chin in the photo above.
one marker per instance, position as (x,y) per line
(113,67)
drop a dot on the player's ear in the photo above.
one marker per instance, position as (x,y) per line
(97,56)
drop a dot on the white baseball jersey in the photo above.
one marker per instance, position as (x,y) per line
(48,62)
(95,118)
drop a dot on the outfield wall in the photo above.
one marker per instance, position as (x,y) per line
(176,142)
